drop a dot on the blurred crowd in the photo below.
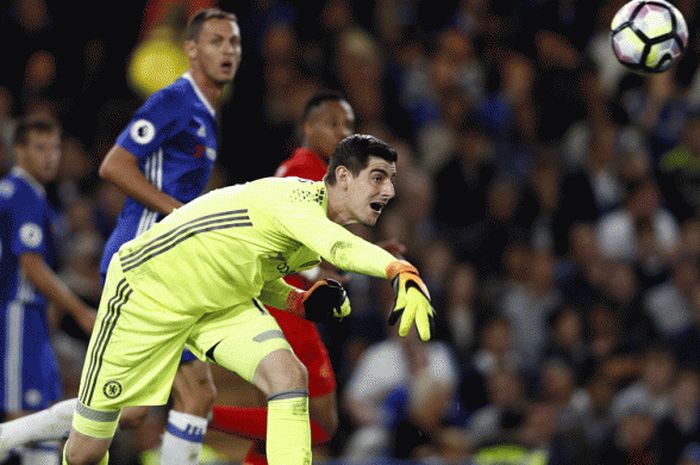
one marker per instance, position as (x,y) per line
(550,198)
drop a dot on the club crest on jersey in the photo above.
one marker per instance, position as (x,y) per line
(142,131)
(112,389)
(30,234)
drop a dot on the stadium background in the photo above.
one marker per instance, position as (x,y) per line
(550,198)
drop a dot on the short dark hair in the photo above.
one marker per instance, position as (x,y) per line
(318,98)
(354,151)
(27,125)
(194,25)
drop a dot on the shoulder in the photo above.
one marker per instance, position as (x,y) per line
(174,95)
(14,189)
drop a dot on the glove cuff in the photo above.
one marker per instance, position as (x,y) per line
(399,266)
(295,302)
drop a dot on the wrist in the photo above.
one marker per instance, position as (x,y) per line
(399,266)
(295,302)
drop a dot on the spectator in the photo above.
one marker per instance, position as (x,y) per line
(381,383)
(616,229)
(682,423)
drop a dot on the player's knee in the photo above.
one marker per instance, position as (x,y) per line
(295,375)
(201,399)
(133,417)
(280,371)
(83,455)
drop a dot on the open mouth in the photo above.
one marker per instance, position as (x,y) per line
(227,65)
(377,206)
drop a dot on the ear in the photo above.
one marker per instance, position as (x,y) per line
(342,176)
(191,49)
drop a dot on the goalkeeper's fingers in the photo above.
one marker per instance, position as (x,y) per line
(419,311)
(425,320)
(344,310)
(408,316)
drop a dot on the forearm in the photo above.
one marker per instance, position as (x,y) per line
(275,293)
(50,285)
(121,169)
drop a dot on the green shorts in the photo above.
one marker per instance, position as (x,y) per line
(135,347)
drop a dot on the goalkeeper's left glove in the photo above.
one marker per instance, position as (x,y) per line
(412,301)
(326,301)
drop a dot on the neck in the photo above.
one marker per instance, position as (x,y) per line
(335,200)
(212,90)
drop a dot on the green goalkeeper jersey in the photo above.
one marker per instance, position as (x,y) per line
(236,243)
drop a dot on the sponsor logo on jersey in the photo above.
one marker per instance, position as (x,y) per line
(142,131)
(198,151)
(30,235)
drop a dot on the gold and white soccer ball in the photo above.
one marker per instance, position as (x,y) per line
(648,36)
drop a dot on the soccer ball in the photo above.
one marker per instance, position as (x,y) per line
(648,36)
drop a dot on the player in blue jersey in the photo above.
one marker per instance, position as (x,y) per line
(162,159)
(29,374)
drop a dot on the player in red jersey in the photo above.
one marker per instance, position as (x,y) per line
(327,119)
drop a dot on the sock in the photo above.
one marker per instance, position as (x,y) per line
(104,461)
(41,453)
(288,430)
(183,438)
(251,423)
(52,423)
(256,454)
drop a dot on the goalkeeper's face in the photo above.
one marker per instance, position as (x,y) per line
(371,190)
(217,50)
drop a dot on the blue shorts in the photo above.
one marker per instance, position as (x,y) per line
(30,378)
(186,357)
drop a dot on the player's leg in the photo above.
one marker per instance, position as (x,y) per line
(53,424)
(49,424)
(323,413)
(250,422)
(31,379)
(283,379)
(131,359)
(193,395)
(248,341)
(81,449)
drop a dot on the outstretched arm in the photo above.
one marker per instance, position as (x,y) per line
(120,167)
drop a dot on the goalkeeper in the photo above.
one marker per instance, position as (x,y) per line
(200,278)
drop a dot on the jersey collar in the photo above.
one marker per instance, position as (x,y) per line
(323,193)
(199,93)
(33,183)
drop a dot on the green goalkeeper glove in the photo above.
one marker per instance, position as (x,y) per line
(412,302)
(326,301)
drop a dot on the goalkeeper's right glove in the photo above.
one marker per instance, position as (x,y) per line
(412,301)
(325,302)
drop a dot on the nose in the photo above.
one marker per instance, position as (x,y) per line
(389,190)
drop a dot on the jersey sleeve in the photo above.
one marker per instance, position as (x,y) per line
(274,293)
(157,120)
(28,235)
(343,249)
